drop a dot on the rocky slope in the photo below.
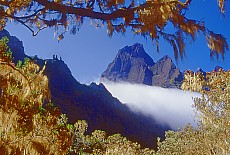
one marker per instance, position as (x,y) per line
(165,73)
(133,64)
(93,103)
(98,107)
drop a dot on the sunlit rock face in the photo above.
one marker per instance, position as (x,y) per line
(132,64)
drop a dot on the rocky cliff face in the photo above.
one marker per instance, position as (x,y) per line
(133,64)
(165,74)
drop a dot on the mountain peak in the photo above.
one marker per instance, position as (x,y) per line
(166,74)
(166,61)
(200,70)
(131,64)
(135,50)
(166,57)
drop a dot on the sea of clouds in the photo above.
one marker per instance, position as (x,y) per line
(167,106)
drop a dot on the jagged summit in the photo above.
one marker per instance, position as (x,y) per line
(133,64)
(166,74)
(200,70)
(166,58)
(164,63)
(134,49)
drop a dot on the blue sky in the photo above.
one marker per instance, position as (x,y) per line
(90,51)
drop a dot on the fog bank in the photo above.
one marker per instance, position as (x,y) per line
(170,106)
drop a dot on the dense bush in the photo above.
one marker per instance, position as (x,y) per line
(26,125)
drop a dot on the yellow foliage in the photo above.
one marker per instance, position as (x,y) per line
(148,19)
(213,111)
(26,125)
(30,124)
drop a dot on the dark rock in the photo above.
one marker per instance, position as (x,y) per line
(165,74)
(133,64)
(98,107)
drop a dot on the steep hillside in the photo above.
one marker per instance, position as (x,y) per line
(165,73)
(92,103)
(98,107)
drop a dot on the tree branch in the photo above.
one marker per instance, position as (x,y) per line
(34,33)
(29,16)
(5,3)
(124,12)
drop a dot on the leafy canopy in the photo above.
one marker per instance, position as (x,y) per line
(146,18)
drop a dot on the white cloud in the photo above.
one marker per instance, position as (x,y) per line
(169,106)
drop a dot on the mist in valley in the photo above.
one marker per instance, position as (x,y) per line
(172,107)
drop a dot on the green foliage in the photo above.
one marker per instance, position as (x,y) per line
(19,64)
(23,64)
(99,143)
(6,54)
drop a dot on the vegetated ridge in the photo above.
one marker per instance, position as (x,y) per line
(92,103)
